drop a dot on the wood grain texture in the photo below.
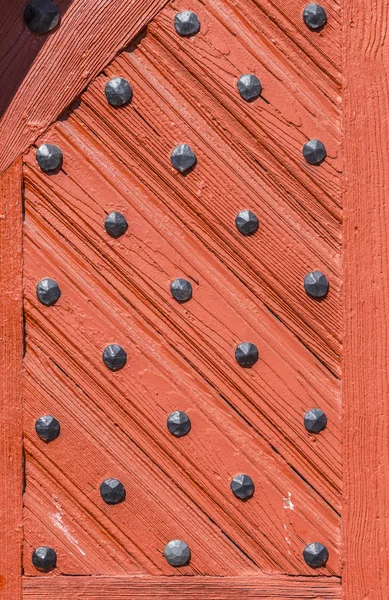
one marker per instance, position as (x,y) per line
(11,354)
(188,588)
(365,366)
(42,75)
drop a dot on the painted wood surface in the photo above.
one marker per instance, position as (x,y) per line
(11,355)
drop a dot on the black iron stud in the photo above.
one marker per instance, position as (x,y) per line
(49,157)
(118,91)
(177,553)
(41,16)
(186,23)
(249,87)
(178,423)
(183,158)
(246,354)
(114,357)
(246,222)
(116,224)
(314,15)
(47,427)
(112,491)
(315,420)
(315,554)
(44,559)
(181,290)
(242,486)
(316,284)
(48,291)
(314,152)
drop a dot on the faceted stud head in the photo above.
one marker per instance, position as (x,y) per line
(47,427)
(242,486)
(178,423)
(112,491)
(315,554)
(49,157)
(116,224)
(246,354)
(118,91)
(181,290)
(114,357)
(314,152)
(48,291)
(315,17)
(41,16)
(246,222)
(177,553)
(186,23)
(316,284)
(315,420)
(44,559)
(183,158)
(249,87)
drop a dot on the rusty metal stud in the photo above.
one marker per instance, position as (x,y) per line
(181,290)
(249,87)
(44,559)
(114,357)
(315,17)
(118,91)
(246,354)
(49,157)
(41,16)
(183,158)
(116,224)
(316,284)
(177,553)
(315,420)
(186,23)
(315,554)
(47,427)
(112,491)
(242,486)
(47,291)
(246,222)
(314,152)
(178,423)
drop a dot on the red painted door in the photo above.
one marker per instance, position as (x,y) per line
(174,305)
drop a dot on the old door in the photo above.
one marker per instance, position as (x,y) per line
(178,280)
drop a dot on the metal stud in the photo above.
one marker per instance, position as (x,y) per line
(181,290)
(315,17)
(316,284)
(116,224)
(49,157)
(47,427)
(118,91)
(249,87)
(177,553)
(186,23)
(315,554)
(41,16)
(183,158)
(48,292)
(242,486)
(44,559)
(246,354)
(246,222)
(314,152)
(112,491)
(315,420)
(178,423)
(114,357)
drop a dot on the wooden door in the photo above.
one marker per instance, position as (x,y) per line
(132,287)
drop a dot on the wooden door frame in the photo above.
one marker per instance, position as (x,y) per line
(365,258)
